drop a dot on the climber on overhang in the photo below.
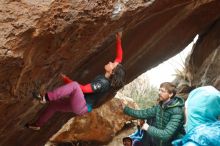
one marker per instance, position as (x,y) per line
(82,98)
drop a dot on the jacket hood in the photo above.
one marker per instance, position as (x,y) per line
(174,102)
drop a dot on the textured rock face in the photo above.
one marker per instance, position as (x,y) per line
(204,64)
(100,126)
(40,39)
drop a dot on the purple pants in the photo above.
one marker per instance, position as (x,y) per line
(75,103)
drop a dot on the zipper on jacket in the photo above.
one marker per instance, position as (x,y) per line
(161,123)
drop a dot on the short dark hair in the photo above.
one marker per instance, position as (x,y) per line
(118,77)
(127,138)
(170,87)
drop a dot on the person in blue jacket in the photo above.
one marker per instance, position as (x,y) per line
(202,111)
(138,136)
(202,106)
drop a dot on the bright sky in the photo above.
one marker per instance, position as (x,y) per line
(165,71)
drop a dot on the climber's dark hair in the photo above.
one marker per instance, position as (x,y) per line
(118,77)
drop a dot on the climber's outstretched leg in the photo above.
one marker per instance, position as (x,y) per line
(75,103)
(58,93)
(54,106)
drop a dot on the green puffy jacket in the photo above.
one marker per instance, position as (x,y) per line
(168,124)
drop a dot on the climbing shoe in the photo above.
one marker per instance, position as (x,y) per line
(32,126)
(39,97)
